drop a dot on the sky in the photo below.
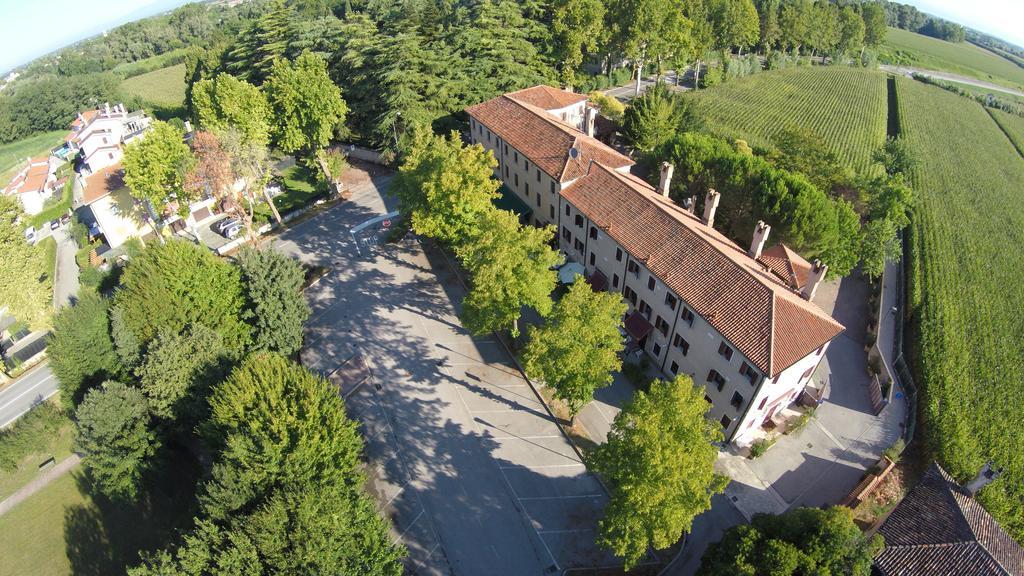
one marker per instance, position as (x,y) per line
(36,27)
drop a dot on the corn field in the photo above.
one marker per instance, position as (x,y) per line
(847,107)
(966,291)
(1012,125)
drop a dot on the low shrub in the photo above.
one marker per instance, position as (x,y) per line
(895,451)
(759,447)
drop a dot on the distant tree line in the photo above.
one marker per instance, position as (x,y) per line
(907,17)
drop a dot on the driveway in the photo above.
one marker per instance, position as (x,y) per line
(65,280)
(27,391)
(462,455)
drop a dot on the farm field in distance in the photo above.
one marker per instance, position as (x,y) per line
(847,107)
(966,290)
(164,87)
(1013,125)
(906,48)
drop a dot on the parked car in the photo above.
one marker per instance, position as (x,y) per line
(231,231)
(30,234)
(221,225)
(65,219)
(55,223)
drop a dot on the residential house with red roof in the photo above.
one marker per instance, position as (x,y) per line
(98,136)
(36,183)
(739,321)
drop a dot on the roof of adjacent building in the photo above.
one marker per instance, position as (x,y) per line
(547,98)
(542,137)
(102,182)
(762,316)
(790,266)
(31,178)
(939,530)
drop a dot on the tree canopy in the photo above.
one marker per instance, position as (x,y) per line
(578,346)
(25,281)
(657,116)
(275,306)
(307,106)
(155,167)
(177,371)
(80,350)
(658,463)
(800,541)
(226,101)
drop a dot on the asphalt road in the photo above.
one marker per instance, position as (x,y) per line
(950,77)
(27,391)
(65,282)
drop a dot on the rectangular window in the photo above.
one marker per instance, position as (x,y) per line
(650,282)
(737,400)
(506,147)
(670,300)
(633,268)
(725,351)
(630,295)
(526,166)
(566,234)
(537,199)
(674,368)
(515,178)
(726,421)
(592,258)
(593,232)
(516,156)
(579,245)
(687,316)
(657,350)
(615,280)
(566,209)
(717,379)
(538,174)
(750,374)
(551,210)
(763,401)
(618,254)
(506,172)
(552,186)
(527,187)
(661,325)
(682,344)
(707,399)
(579,221)
(645,309)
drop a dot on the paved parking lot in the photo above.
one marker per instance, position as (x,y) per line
(462,455)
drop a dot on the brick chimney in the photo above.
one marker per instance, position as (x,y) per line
(818,271)
(590,121)
(710,205)
(985,477)
(760,237)
(666,178)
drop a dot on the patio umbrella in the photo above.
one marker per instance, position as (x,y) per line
(567,274)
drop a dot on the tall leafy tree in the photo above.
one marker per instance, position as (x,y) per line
(226,101)
(445,186)
(174,285)
(657,116)
(177,371)
(155,167)
(250,164)
(875,25)
(738,24)
(577,28)
(648,31)
(80,350)
(659,466)
(275,306)
(306,104)
(851,30)
(510,266)
(879,245)
(114,435)
(25,282)
(702,34)
(578,346)
(803,150)
(795,21)
(262,44)
(770,32)
(800,541)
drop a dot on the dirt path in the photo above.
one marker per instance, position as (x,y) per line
(950,77)
(39,482)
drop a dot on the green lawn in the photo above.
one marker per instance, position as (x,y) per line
(13,154)
(1012,125)
(165,60)
(44,432)
(909,49)
(845,106)
(56,207)
(164,87)
(299,189)
(64,529)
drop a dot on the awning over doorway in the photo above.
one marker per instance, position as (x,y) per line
(598,281)
(637,326)
(509,201)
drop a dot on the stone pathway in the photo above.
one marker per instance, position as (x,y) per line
(40,482)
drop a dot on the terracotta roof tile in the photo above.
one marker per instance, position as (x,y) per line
(544,139)
(31,178)
(102,183)
(546,97)
(939,530)
(790,266)
(751,307)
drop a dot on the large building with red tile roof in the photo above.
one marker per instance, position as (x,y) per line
(740,321)
(35,183)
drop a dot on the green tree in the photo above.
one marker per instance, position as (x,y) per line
(770,32)
(738,24)
(80,350)
(608,106)
(875,25)
(306,104)
(879,245)
(262,43)
(445,186)
(177,371)
(275,306)
(577,28)
(659,466)
(510,267)
(25,281)
(851,30)
(155,167)
(842,249)
(113,434)
(226,101)
(172,286)
(896,156)
(800,541)
(578,347)
(795,21)
(655,117)
(802,150)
